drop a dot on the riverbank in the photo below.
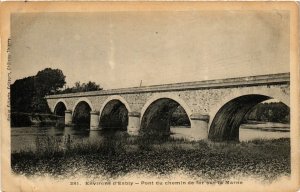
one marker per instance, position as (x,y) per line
(34,119)
(119,155)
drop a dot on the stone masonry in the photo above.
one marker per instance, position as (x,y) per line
(201,100)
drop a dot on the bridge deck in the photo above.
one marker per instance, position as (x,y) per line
(271,79)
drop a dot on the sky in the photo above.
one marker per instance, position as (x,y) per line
(121,49)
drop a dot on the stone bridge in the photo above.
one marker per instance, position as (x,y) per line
(215,108)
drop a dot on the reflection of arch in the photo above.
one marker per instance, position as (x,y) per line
(157,112)
(227,115)
(60,101)
(85,100)
(114,113)
(115,97)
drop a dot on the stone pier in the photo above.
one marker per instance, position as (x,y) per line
(133,123)
(212,106)
(68,117)
(199,126)
(94,123)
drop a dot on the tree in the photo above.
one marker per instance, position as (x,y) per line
(77,86)
(92,86)
(22,92)
(48,81)
(84,87)
(27,94)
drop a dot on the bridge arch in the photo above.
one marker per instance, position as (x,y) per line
(60,107)
(114,113)
(84,99)
(115,97)
(157,111)
(81,111)
(226,116)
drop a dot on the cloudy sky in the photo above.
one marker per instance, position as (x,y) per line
(120,49)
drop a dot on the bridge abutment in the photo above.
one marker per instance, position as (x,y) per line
(94,123)
(199,126)
(68,118)
(133,123)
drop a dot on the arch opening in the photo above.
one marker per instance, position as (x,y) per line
(269,119)
(229,118)
(163,117)
(60,109)
(81,114)
(114,116)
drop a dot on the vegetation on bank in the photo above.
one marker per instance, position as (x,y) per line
(28,94)
(34,119)
(262,112)
(269,112)
(119,155)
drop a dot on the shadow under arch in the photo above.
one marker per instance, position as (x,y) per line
(114,115)
(226,122)
(157,113)
(58,104)
(60,109)
(81,113)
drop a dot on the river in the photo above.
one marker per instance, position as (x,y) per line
(25,138)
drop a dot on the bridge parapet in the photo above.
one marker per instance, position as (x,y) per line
(201,101)
(272,79)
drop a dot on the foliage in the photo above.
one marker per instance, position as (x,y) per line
(120,154)
(267,112)
(39,104)
(179,117)
(270,112)
(84,87)
(27,94)
(19,119)
(21,94)
(49,81)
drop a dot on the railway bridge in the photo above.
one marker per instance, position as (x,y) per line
(214,108)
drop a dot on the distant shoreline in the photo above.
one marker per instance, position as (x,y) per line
(266,126)
(20,119)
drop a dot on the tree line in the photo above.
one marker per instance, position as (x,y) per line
(263,112)
(28,94)
(269,112)
(84,87)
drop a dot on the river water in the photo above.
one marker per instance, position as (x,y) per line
(25,138)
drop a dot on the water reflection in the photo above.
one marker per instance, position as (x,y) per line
(267,130)
(24,138)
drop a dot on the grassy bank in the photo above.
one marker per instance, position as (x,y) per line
(118,155)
